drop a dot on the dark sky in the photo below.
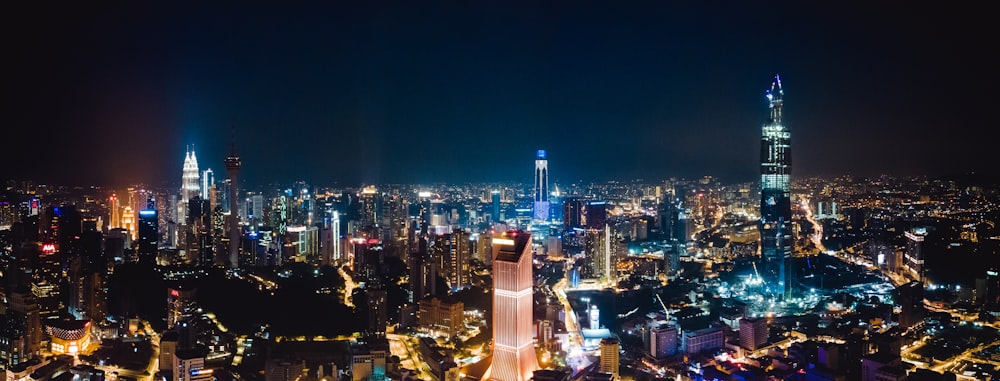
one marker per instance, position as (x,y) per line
(420,91)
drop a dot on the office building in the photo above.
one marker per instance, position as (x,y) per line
(701,340)
(441,317)
(609,357)
(914,257)
(149,234)
(753,333)
(180,304)
(513,346)
(662,340)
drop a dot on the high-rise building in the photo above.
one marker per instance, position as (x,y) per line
(775,195)
(598,253)
(180,304)
(609,357)
(233,165)
(495,204)
(513,347)
(573,209)
(22,302)
(207,183)
(541,187)
(662,340)
(115,220)
(376,297)
(458,268)
(335,226)
(149,234)
(128,221)
(910,298)
(988,287)
(753,332)
(189,184)
(914,254)
(596,214)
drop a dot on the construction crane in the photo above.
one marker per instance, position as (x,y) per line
(755,270)
(666,313)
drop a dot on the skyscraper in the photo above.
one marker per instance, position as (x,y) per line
(775,195)
(335,225)
(233,164)
(207,182)
(149,235)
(115,209)
(513,347)
(189,184)
(541,187)
(495,204)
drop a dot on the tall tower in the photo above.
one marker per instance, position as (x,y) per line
(541,187)
(189,184)
(207,182)
(233,164)
(513,347)
(336,236)
(115,206)
(775,196)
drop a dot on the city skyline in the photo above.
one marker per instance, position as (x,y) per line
(366,93)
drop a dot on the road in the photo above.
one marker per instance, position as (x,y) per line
(817,236)
(349,286)
(409,356)
(575,356)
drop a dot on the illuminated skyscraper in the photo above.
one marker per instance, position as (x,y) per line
(541,187)
(775,195)
(207,182)
(513,347)
(128,221)
(115,209)
(189,184)
(233,164)
(149,235)
(335,225)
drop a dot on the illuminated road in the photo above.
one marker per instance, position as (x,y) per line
(349,286)
(817,236)
(409,357)
(575,356)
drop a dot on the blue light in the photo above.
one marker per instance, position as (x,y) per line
(147,212)
(541,154)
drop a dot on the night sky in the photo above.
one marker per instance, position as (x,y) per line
(421,91)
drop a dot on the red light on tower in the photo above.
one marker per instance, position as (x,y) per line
(49,248)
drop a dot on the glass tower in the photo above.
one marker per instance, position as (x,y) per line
(541,187)
(775,196)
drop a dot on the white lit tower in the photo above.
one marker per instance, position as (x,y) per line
(513,346)
(775,196)
(233,164)
(336,236)
(207,182)
(541,187)
(189,185)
